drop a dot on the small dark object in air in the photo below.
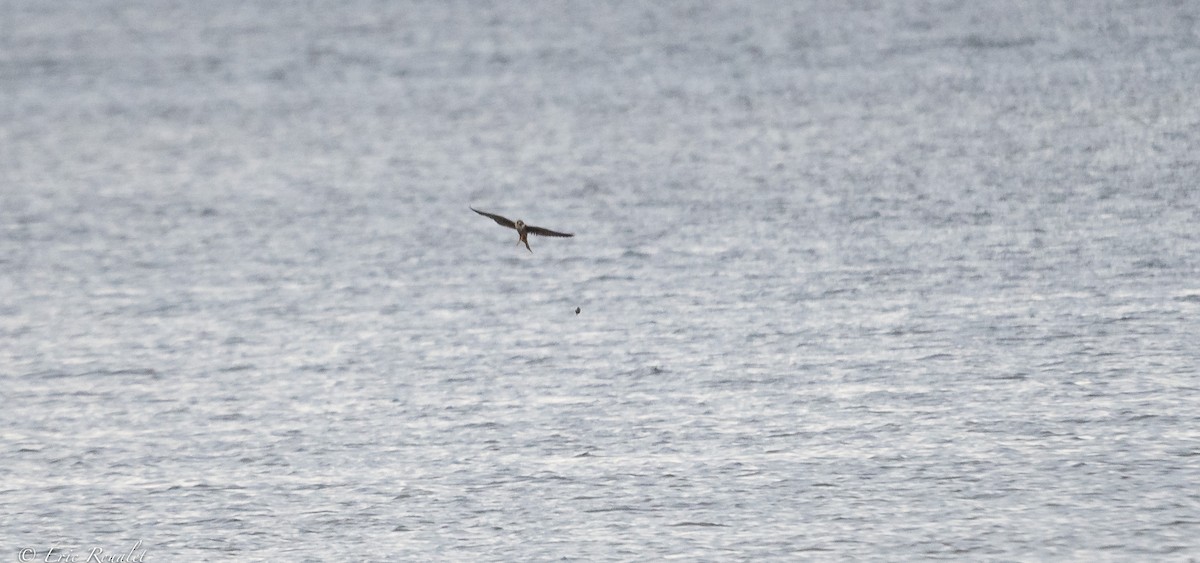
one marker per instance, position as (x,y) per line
(577,310)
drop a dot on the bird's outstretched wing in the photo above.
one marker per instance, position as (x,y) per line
(502,221)
(546,232)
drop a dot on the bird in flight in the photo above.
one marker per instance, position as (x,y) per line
(523,230)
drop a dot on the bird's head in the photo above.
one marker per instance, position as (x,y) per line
(520,224)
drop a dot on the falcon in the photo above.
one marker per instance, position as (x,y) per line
(523,230)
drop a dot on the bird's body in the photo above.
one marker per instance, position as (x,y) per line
(523,230)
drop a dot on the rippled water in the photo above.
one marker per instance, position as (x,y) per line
(881,280)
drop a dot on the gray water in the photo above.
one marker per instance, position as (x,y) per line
(857,280)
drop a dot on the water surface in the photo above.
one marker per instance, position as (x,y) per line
(862,281)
